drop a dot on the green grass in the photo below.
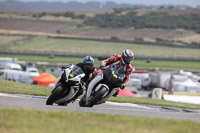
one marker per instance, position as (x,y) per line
(185,65)
(38,121)
(138,64)
(21,88)
(71,46)
(46,59)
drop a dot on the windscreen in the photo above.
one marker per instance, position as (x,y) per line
(119,70)
(76,71)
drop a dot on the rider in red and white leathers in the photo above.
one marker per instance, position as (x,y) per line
(124,59)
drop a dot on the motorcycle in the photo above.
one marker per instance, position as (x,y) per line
(103,86)
(67,85)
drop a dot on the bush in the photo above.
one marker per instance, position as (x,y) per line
(58,31)
(114,38)
(39,15)
(139,39)
(69,14)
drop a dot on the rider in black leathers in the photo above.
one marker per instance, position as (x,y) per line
(88,68)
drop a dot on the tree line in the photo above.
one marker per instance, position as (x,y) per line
(66,14)
(150,20)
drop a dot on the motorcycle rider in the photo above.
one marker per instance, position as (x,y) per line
(88,67)
(124,60)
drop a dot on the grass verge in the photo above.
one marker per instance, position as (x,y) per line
(38,121)
(73,46)
(136,63)
(9,39)
(20,88)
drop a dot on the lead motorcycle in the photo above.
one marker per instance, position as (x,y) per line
(103,86)
(67,85)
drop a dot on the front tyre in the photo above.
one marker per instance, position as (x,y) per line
(96,97)
(82,101)
(63,104)
(54,95)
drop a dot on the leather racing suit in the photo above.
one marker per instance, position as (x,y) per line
(115,60)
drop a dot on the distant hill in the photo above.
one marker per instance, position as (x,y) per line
(73,5)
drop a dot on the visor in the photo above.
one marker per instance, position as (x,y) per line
(128,60)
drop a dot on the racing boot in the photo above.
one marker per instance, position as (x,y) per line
(116,93)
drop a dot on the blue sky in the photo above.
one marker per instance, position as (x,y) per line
(192,3)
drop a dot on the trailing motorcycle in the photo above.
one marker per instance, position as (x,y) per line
(67,86)
(103,86)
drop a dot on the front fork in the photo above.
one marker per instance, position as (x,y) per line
(91,85)
(57,81)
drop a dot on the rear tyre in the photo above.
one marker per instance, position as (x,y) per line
(54,95)
(97,96)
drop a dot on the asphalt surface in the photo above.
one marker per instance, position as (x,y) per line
(37,102)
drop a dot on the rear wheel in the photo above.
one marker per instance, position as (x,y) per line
(54,95)
(96,97)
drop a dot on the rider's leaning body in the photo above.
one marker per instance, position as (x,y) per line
(124,60)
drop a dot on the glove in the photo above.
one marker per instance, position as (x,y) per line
(122,86)
(102,67)
(90,76)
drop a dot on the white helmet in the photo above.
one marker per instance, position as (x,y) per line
(127,56)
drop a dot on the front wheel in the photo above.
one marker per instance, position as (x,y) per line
(82,101)
(54,95)
(63,104)
(96,97)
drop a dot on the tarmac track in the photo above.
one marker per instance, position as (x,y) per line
(38,102)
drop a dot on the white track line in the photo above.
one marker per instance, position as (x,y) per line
(23,96)
(128,105)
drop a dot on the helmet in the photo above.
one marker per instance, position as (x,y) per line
(127,56)
(88,62)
